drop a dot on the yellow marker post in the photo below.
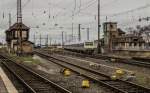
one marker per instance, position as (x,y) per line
(119,72)
(114,77)
(85,84)
(67,72)
(113,60)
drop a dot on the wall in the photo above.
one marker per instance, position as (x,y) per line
(133,53)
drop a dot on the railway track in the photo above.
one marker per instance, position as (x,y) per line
(119,86)
(144,63)
(122,60)
(33,82)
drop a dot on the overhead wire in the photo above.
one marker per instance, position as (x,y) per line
(61,8)
(24,5)
(129,11)
(90,4)
(80,5)
(82,8)
(108,3)
(71,10)
(116,14)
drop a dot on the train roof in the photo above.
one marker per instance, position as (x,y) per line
(81,42)
(71,43)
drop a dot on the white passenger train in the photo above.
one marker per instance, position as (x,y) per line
(89,45)
(86,47)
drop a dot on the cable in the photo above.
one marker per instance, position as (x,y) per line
(24,5)
(83,8)
(75,4)
(61,8)
(109,3)
(128,11)
(71,10)
(91,5)
(80,6)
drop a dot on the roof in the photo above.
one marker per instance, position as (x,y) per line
(15,26)
(129,38)
(23,42)
(120,31)
(28,42)
(110,23)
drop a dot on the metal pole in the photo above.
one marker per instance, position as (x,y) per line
(34,40)
(40,40)
(98,46)
(72,32)
(62,38)
(19,23)
(9,20)
(50,41)
(88,36)
(65,36)
(47,41)
(79,34)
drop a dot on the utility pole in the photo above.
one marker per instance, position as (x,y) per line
(19,23)
(9,20)
(79,33)
(65,36)
(98,45)
(62,38)
(34,40)
(40,40)
(88,35)
(9,27)
(50,40)
(72,32)
(46,43)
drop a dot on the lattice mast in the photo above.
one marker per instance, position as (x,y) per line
(19,22)
(19,11)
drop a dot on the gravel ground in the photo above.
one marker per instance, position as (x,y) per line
(142,74)
(86,63)
(73,82)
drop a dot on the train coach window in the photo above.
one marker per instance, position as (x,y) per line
(89,43)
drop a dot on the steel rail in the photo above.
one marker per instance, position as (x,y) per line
(34,82)
(143,63)
(118,85)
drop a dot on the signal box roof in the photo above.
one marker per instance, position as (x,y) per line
(15,27)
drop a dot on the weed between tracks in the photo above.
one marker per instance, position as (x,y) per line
(143,80)
(27,59)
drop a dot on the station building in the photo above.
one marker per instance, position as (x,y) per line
(116,40)
(13,35)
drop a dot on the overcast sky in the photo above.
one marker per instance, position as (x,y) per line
(47,13)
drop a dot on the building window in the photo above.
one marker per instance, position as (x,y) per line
(24,34)
(111,26)
(130,44)
(113,36)
(135,44)
(135,39)
(140,44)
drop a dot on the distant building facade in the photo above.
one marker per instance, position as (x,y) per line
(116,39)
(128,42)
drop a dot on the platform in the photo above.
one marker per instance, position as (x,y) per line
(6,85)
(2,86)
